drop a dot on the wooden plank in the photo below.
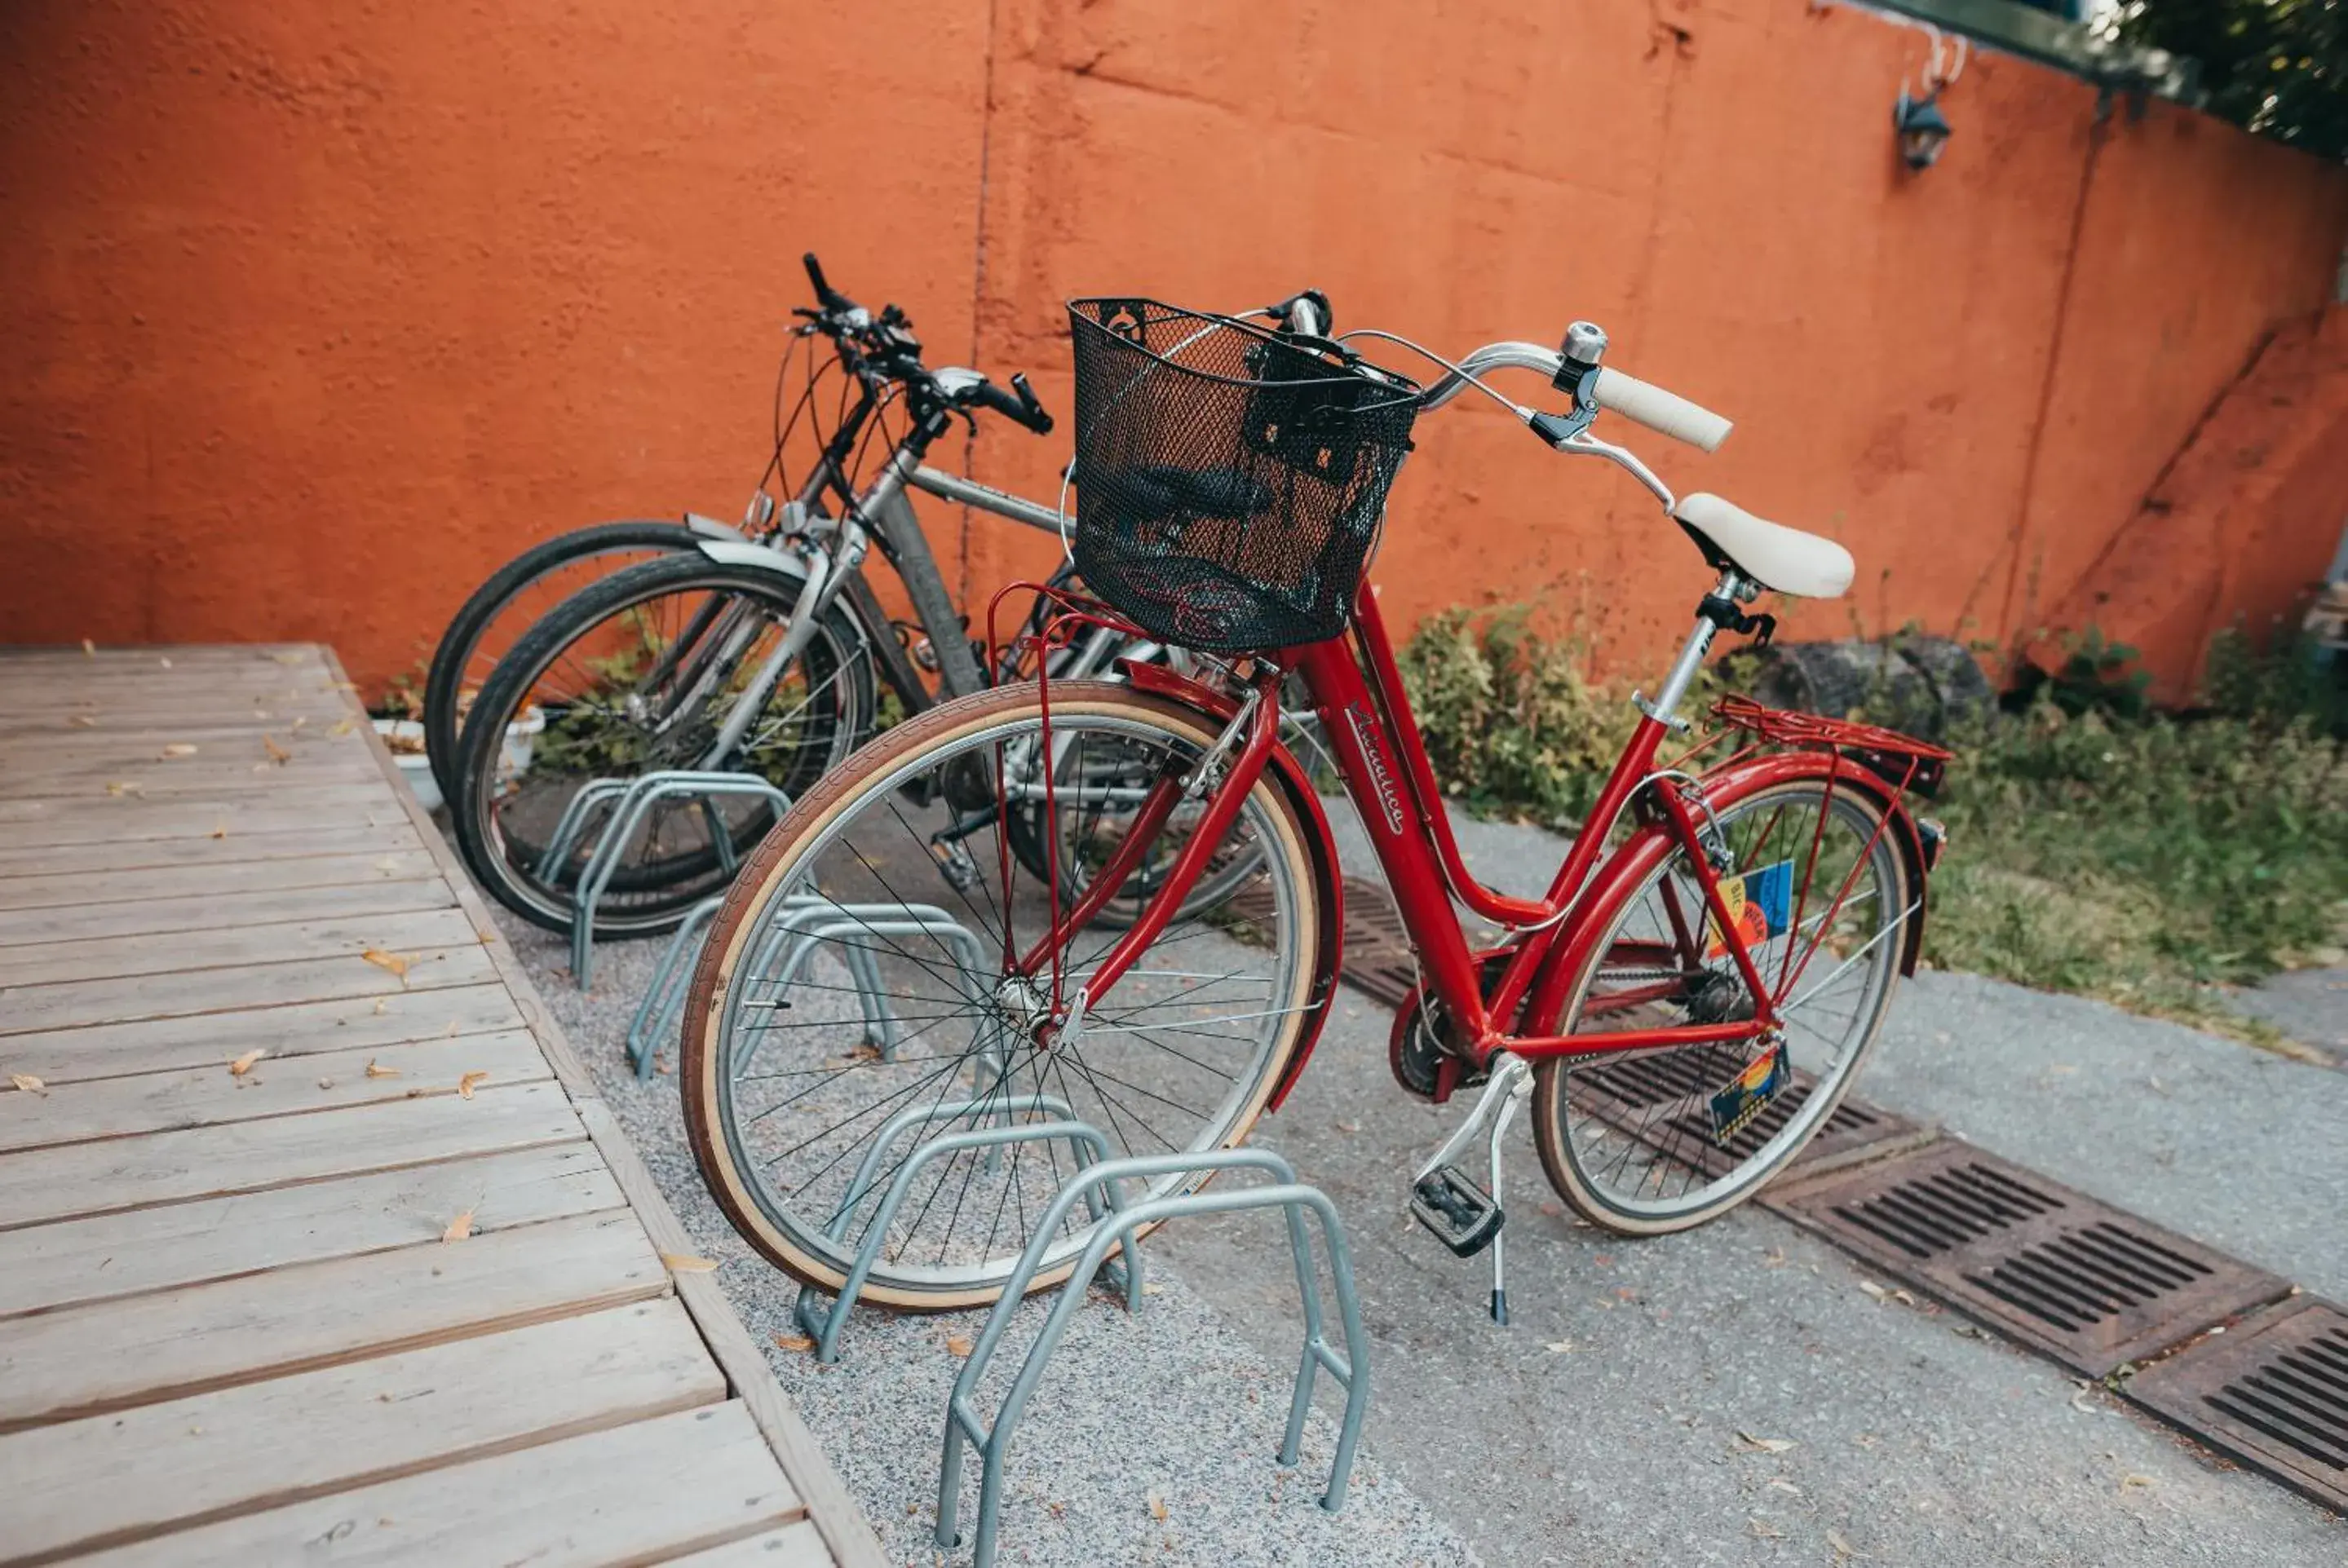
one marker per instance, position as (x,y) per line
(92,780)
(628,1495)
(73,1262)
(100,819)
(103,656)
(292,1320)
(210,912)
(250,1156)
(159,1045)
(81,888)
(796,1545)
(175,952)
(274,1086)
(114,1479)
(846,1534)
(138,737)
(228,849)
(80,1003)
(121,711)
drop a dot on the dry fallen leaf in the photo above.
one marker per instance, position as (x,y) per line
(288,657)
(1560,1346)
(1842,1548)
(119,789)
(326,1083)
(28,1083)
(1147,1289)
(458,1228)
(179,749)
(89,649)
(342,726)
(82,721)
(1765,1445)
(277,753)
(2131,1480)
(1158,1508)
(958,1345)
(219,830)
(395,962)
(243,1064)
(375,1070)
(381,1006)
(1765,1531)
(166,663)
(794,1342)
(1780,1484)
(685,1263)
(465,1085)
(300,720)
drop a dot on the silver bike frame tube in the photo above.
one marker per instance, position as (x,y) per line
(985,497)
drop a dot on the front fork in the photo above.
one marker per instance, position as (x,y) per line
(1224,775)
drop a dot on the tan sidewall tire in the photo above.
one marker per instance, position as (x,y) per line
(778,857)
(1548,1077)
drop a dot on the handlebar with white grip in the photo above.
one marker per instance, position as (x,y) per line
(1666,412)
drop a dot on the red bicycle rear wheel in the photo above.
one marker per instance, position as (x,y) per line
(1639,1145)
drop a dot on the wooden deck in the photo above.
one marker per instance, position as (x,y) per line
(316,1245)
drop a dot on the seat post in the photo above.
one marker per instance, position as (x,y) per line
(1665,708)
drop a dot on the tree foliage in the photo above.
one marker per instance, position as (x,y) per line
(2279,67)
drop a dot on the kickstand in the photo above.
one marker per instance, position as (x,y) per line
(1446,1200)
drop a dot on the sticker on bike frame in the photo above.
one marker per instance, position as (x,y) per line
(1760,905)
(1749,1092)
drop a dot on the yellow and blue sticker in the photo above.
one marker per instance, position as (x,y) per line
(1760,905)
(1750,1091)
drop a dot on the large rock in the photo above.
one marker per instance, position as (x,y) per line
(1919,684)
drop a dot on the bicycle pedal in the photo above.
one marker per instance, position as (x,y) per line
(1463,1216)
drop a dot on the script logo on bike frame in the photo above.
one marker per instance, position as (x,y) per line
(1366,735)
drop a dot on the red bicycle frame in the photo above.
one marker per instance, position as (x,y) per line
(1358,693)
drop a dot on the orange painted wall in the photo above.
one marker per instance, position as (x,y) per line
(2221,540)
(312,319)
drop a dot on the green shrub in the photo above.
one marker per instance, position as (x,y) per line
(2097,847)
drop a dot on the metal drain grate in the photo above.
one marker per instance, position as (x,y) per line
(1626,1093)
(2274,1392)
(1378,961)
(2090,1285)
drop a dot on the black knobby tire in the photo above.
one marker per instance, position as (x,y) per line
(663,901)
(444,682)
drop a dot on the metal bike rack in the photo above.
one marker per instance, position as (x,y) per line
(573,823)
(1086,1149)
(636,797)
(809,921)
(1351,1369)
(663,1009)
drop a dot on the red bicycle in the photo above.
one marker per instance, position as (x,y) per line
(1118,901)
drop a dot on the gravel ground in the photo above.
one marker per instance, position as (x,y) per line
(1171,1410)
(1617,1420)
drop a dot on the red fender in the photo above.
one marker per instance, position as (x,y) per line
(1622,871)
(1289,773)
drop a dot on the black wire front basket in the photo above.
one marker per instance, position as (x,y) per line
(1229,482)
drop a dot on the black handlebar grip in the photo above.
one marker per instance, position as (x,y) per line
(1037,420)
(1021,411)
(824,293)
